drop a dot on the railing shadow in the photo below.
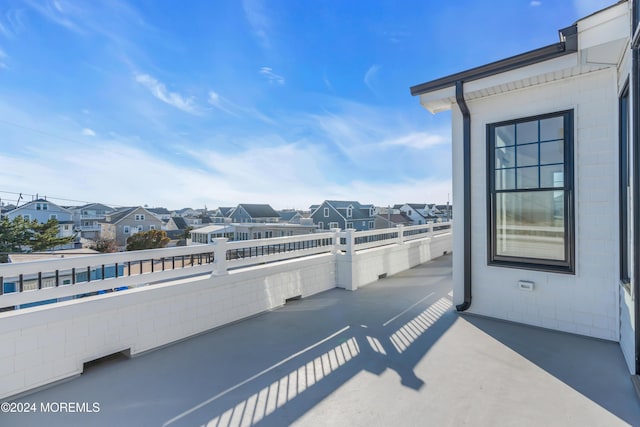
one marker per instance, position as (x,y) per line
(286,390)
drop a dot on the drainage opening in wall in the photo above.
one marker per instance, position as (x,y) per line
(382,276)
(296,298)
(107,360)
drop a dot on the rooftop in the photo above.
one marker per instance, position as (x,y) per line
(392,353)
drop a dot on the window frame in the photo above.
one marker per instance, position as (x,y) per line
(567,265)
(624,128)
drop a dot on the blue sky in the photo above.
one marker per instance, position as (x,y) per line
(188,103)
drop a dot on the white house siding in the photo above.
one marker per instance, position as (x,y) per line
(586,303)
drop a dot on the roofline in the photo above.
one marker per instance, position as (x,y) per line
(567,45)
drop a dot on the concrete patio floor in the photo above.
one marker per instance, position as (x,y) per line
(392,354)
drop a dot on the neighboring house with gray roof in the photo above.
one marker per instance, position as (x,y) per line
(86,218)
(43,210)
(160,213)
(290,216)
(446,212)
(122,224)
(344,214)
(246,212)
(185,212)
(177,223)
(5,209)
(221,215)
(392,220)
(419,213)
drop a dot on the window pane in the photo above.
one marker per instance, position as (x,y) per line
(506,179)
(552,152)
(528,155)
(505,157)
(527,132)
(530,225)
(552,128)
(527,177)
(552,176)
(505,135)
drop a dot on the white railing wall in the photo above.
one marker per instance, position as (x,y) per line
(166,301)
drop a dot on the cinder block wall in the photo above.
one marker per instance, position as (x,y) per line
(586,303)
(44,344)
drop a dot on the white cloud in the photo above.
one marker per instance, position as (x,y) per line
(159,90)
(221,103)
(370,77)
(327,83)
(535,3)
(271,76)
(53,11)
(259,22)
(88,132)
(419,140)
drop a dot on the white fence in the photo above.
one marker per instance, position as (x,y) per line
(171,294)
(32,282)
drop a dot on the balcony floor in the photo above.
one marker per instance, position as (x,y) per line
(393,353)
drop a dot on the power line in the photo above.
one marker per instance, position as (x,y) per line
(20,195)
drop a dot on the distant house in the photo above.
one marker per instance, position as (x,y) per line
(290,216)
(221,215)
(245,212)
(185,212)
(392,220)
(446,212)
(42,211)
(87,218)
(122,224)
(343,214)
(419,213)
(176,223)
(6,208)
(248,231)
(160,213)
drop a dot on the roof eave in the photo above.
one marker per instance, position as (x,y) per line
(568,46)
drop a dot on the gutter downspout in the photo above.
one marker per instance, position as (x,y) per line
(635,78)
(466,228)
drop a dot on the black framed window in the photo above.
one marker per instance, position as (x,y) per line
(530,178)
(625,194)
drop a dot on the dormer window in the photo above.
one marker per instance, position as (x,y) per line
(371,212)
(349,212)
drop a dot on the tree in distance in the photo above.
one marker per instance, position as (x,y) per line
(105,245)
(19,235)
(151,239)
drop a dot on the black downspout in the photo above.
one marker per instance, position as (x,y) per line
(466,228)
(635,77)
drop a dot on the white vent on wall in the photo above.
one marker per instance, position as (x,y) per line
(525,285)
